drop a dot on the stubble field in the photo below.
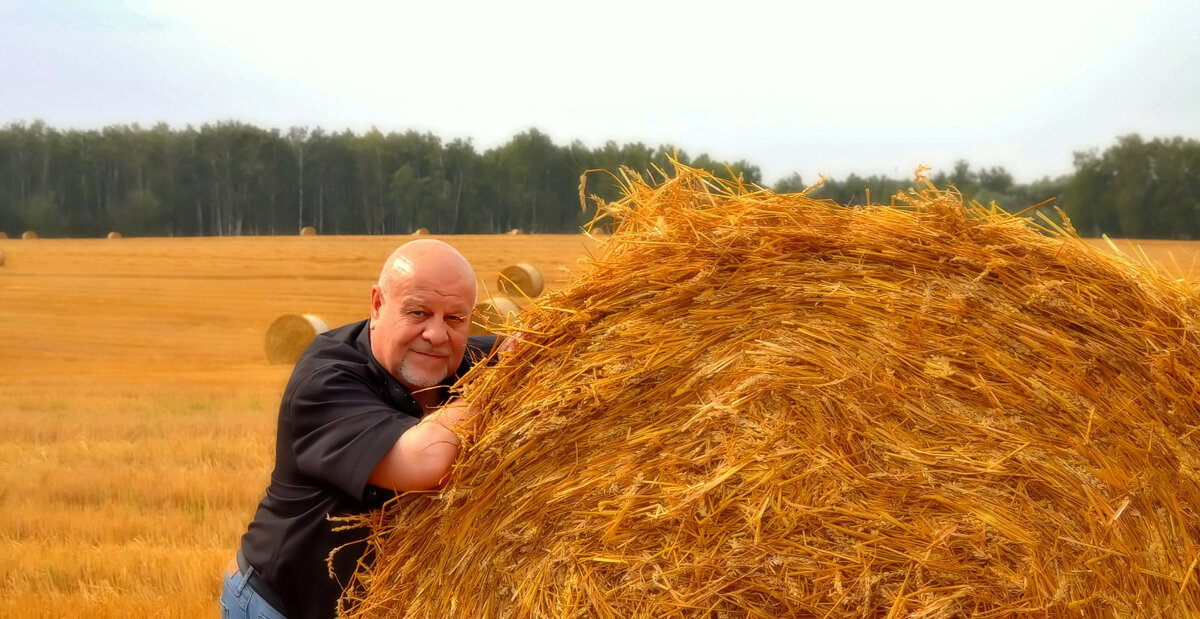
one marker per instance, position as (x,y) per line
(137,407)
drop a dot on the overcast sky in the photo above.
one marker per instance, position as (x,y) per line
(833,87)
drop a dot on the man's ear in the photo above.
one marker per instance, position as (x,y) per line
(376,303)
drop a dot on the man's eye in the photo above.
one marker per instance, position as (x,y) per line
(455,318)
(417,313)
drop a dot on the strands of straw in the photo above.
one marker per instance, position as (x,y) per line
(492,314)
(761,405)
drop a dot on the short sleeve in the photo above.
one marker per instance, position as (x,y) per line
(341,427)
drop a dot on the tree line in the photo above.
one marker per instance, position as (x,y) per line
(231,178)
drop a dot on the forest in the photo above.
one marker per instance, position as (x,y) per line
(232,178)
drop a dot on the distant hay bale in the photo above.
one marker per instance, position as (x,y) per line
(491,313)
(29,234)
(515,231)
(3,235)
(308,231)
(421,232)
(521,279)
(761,405)
(290,334)
(114,235)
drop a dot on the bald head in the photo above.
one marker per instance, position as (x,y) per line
(421,312)
(438,258)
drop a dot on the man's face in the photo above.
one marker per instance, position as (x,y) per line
(419,325)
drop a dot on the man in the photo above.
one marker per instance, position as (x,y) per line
(364,415)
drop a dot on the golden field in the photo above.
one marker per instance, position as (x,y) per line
(137,409)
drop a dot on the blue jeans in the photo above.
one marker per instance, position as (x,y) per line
(239,601)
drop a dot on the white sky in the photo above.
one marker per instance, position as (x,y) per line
(833,87)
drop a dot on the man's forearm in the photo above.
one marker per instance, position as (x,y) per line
(424,455)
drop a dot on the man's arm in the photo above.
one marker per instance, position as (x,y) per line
(422,457)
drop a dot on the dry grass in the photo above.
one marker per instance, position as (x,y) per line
(1175,259)
(137,406)
(493,313)
(766,406)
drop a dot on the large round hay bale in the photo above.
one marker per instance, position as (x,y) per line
(421,232)
(761,405)
(3,235)
(522,279)
(290,334)
(29,234)
(114,235)
(308,231)
(493,312)
(516,231)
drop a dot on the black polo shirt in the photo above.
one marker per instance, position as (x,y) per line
(341,412)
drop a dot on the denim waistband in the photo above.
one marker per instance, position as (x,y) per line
(255,582)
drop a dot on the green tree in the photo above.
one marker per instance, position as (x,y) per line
(140,212)
(790,184)
(234,178)
(39,212)
(1137,189)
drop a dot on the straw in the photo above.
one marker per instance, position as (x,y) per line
(762,405)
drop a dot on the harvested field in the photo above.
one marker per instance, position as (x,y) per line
(137,408)
(1180,259)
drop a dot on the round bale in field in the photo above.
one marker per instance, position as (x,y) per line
(308,231)
(421,232)
(521,279)
(289,335)
(114,235)
(3,235)
(767,405)
(491,313)
(516,231)
(29,234)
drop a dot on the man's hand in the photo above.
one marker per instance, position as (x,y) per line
(458,416)
(508,342)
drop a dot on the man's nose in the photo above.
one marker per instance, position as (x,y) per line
(436,333)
